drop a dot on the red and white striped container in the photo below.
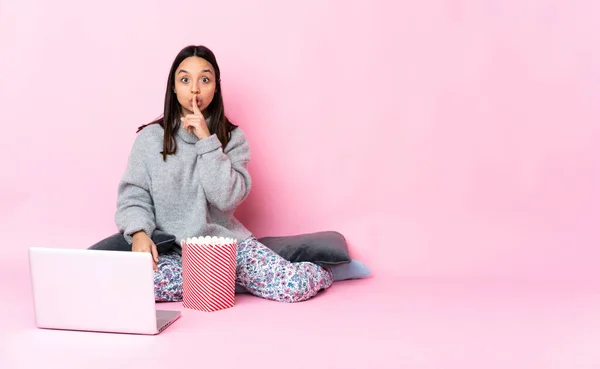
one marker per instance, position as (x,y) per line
(208,268)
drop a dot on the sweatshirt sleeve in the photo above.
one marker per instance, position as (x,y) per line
(225,177)
(135,208)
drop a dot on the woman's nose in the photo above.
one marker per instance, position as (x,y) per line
(195,88)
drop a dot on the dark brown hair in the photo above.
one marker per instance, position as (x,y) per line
(220,125)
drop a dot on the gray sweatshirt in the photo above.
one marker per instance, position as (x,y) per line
(194,193)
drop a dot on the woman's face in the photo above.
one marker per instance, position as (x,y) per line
(194,79)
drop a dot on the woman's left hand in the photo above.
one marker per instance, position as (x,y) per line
(195,123)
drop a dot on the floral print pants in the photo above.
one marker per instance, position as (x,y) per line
(259,270)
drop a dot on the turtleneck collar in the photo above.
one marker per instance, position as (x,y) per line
(186,136)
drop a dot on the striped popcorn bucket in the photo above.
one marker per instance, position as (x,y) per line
(208,268)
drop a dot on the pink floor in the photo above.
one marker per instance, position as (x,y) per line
(381,322)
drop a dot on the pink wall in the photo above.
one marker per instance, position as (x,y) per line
(441,137)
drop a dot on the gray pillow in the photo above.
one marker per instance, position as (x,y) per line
(321,248)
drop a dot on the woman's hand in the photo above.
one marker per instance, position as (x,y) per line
(195,123)
(143,243)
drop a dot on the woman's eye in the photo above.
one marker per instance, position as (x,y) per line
(205,79)
(184,80)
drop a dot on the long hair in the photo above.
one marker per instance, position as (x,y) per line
(219,123)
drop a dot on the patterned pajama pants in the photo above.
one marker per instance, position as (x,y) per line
(259,270)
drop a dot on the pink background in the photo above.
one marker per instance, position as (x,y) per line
(455,143)
(442,138)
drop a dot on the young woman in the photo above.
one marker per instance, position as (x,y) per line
(186,175)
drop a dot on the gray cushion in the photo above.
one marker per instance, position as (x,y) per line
(321,248)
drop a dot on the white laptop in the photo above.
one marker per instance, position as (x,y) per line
(98,291)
